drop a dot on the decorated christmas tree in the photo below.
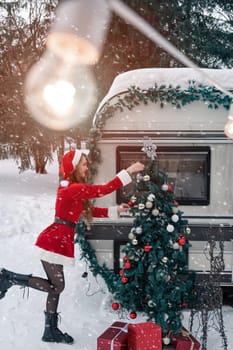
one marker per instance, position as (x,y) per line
(154,278)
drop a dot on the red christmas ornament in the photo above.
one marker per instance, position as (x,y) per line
(130,204)
(124,279)
(115,306)
(121,272)
(132,315)
(125,258)
(147,248)
(128,265)
(184,304)
(169,188)
(182,240)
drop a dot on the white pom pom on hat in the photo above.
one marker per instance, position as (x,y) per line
(70,160)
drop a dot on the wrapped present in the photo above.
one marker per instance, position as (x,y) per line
(114,338)
(184,341)
(144,336)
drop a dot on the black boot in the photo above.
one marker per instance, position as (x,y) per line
(52,333)
(8,279)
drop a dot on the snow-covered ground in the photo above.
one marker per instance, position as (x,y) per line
(26,207)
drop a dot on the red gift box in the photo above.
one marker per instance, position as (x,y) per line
(144,336)
(185,341)
(114,338)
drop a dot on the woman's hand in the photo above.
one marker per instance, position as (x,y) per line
(123,207)
(135,168)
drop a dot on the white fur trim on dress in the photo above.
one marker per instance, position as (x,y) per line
(124,177)
(113,213)
(77,155)
(54,258)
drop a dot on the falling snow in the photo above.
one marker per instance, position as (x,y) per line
(26,206)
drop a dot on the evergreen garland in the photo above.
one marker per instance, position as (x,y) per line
(163,95)
(88,253)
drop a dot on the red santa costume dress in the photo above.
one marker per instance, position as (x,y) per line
(55,244)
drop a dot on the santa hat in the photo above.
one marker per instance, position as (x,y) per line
(70,160)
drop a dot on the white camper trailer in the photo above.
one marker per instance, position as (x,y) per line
(191,145)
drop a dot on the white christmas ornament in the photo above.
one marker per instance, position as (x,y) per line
(175,218)
(131,235)
(170,228)
(176,246)
(166,340)
(155,212)
(164,187)
(151,197)
(138,230)
(134,241)
(141,206)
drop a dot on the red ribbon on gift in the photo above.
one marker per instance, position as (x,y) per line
(121,329)
(187,335)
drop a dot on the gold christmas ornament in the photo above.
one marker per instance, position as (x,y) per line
(146,178)
(149,204)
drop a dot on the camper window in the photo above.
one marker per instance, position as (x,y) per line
(188,170)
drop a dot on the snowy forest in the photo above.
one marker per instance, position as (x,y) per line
(202,30)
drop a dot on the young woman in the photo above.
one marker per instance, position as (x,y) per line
(55,244)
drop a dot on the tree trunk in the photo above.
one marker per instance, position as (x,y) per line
(40,164)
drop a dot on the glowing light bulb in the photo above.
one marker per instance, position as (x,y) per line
(228,129)
(59,94)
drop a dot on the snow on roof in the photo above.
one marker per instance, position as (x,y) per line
(147,77)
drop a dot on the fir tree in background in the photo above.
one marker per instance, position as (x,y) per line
(155,278)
